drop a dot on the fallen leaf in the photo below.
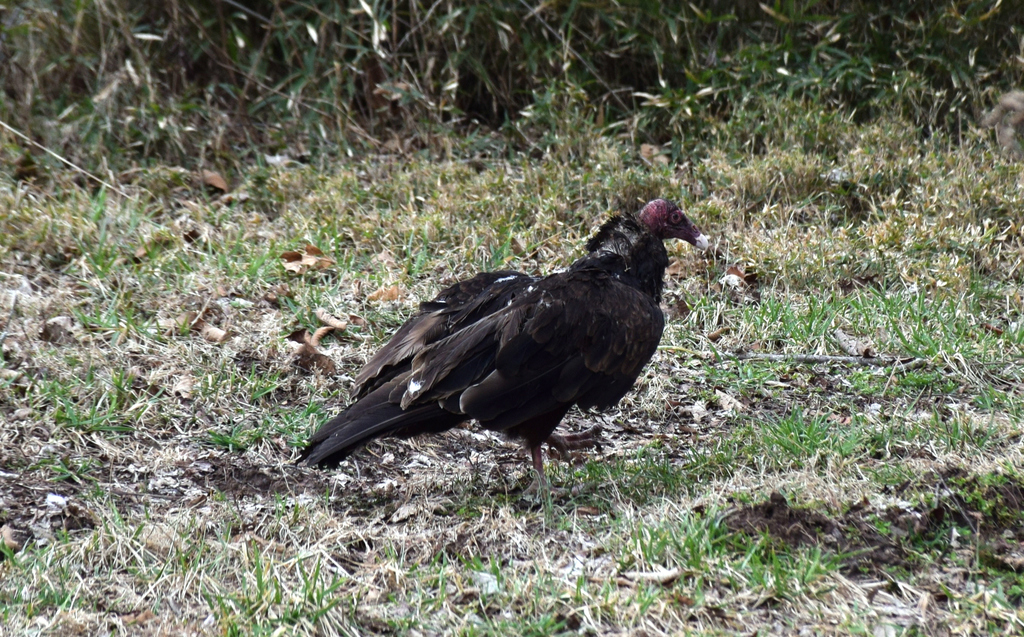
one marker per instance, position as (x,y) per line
(276,293)
(212,333)
(182,322)
(58,330)
(404,512)
(356,320)
(312,258)
(385,258)
(852,346)
(193,322)
(139,618)
(717,334)
(329,319)
(319,334)
(385,294)
(734,277)
(992,328)
(306,356)
(183,388)
(14,538)
(698,411)
(727,402)
(1006,118)
(651,153)
(309,359)
(663,577)
(158,240)
(214,181)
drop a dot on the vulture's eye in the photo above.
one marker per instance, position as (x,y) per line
(675,218)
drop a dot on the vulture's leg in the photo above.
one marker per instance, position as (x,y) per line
(563,444)
(540,481)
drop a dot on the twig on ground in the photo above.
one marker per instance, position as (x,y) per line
(815,359)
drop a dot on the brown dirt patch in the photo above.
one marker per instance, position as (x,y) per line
(988,509)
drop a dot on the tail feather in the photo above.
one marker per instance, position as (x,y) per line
(347,432)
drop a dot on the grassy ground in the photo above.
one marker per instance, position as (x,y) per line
(145,467)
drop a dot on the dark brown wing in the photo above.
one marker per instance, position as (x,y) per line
(451,310)
(578,337)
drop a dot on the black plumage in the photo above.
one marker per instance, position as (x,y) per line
(516,352)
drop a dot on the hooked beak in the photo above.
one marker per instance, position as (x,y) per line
(700,241)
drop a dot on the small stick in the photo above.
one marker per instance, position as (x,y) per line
(813,359)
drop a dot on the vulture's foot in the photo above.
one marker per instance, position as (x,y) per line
(540,488)
(563,445)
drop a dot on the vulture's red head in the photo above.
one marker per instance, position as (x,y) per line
(667,221)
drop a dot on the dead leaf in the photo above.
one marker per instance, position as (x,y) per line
(717,334)
(139,618)
(385,294)
(404,512)
(585,510)
(309,359)
(698,411)
(182,322)
(988,327)
(356,320)
(651,153)
(58,330)
(192,322)
(386,258)
(319,334)
(727,402)
(734,277)
(852,346)
(214,181)
(9,374)
(1006,118)
(212,333)
(312,258)
(276,293)
(14,538)
(183,388)
(681,308)
(158,240)
(327,318)
(306,355)
(663,577)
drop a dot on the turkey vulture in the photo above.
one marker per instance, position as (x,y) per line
(515,352)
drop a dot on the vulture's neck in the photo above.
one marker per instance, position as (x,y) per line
(624,244)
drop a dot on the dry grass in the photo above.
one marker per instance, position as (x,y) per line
(180,513)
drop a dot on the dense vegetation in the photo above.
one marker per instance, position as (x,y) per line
(120,83)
